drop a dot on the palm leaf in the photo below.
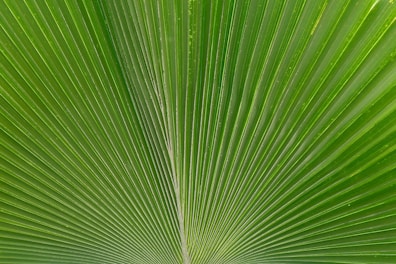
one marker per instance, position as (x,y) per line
(198,131)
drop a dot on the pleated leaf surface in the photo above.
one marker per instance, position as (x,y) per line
(198,131)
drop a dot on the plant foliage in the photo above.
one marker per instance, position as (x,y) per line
(198,131)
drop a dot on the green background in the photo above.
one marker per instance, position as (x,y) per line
(205,131)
